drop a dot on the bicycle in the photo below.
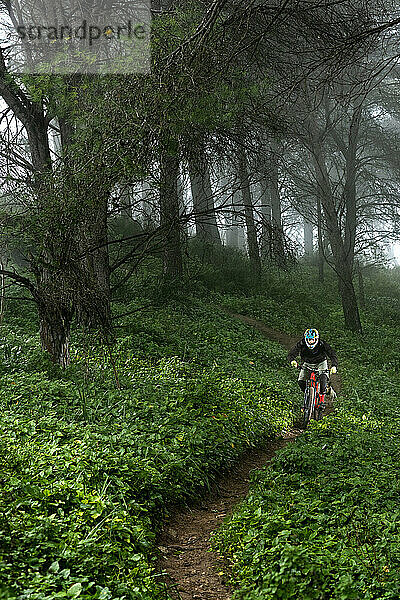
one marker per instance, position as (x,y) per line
(312,408)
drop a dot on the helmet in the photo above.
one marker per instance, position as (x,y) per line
(311,337)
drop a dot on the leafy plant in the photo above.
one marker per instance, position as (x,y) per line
(88,470)
(322,520)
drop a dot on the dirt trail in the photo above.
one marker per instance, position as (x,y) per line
(286,340)
(194,573)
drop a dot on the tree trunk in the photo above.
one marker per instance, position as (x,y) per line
(278,244)
(266,219)
(233,236)
(40,150)
(148,217)
(90,276)
(54,333)
(349,301)
(341,257)
(3,265)
(361,288)
(350,191)
(321,253)
(252,243)
(55,308)
(308,231)
(232,205)
(169,209)
(182,208)
(125,202)
(93,302)
(203,200)
(346,287)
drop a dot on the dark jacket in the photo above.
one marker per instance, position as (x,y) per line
(321,352)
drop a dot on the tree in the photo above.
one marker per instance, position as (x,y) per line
(252,241)
(52,292)
(203,201)
(169,208)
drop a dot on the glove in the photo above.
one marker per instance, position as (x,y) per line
(333,370)
(294,363)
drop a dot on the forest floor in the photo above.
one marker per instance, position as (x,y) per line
(192,571)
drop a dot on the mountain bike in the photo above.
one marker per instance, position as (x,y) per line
(312,408)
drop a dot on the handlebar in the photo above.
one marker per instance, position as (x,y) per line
(315,370)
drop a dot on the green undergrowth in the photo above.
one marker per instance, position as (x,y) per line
(294,300)
(293,303)
(87,468)
(322,522)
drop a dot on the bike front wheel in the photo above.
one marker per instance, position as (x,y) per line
(308,406)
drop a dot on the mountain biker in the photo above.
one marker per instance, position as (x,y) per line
(314,353)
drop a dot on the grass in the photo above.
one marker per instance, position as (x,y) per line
(322,522)
(88,470)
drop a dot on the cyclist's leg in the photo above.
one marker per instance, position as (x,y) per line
(302,379)
(323,382)
(323,376)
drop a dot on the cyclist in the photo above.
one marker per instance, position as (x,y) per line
(314,353)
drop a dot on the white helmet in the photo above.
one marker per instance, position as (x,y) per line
(311,337)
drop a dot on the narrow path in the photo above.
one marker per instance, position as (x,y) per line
(277,336)
(193,572)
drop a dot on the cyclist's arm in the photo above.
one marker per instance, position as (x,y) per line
(295,351)
(332,354)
